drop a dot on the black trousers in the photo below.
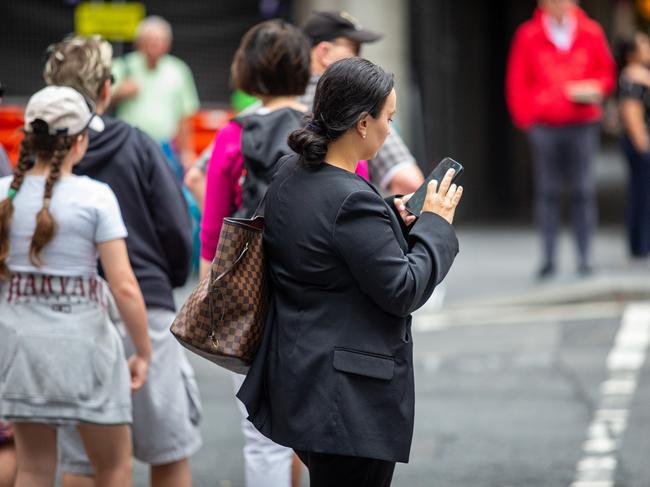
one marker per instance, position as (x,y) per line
(638,204)
(327,470)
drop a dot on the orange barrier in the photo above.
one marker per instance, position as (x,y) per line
(204,124)
(11,121)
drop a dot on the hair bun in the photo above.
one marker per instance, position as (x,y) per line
(309,145)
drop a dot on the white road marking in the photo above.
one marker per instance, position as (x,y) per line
(598,464)
(590,483)
(513,315)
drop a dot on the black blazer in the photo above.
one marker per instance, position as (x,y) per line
(334,373)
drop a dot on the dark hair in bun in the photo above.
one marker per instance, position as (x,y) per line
(349,89)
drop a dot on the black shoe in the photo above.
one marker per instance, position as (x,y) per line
(546,271)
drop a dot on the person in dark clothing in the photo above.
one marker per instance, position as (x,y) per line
(634,103)
(152,205)
(167,410)
(333,377)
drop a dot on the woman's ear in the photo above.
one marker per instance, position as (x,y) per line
(78,145)
(362,126)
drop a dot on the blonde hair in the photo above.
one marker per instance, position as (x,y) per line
(82,63)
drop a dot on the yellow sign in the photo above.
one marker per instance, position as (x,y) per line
(113,21)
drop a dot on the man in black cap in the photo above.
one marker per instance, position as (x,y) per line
(338,35)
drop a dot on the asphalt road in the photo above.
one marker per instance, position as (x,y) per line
(519,404)
(497,406)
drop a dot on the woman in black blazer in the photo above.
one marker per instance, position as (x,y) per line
(334,375)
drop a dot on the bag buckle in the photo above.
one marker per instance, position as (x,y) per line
(214,339)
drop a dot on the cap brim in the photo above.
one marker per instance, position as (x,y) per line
(96,123)
(362,36)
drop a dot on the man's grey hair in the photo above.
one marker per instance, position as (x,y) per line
(153,22)
(82,63)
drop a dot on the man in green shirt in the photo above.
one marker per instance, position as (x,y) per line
(155,91)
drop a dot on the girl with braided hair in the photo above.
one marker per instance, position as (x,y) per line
(61,357)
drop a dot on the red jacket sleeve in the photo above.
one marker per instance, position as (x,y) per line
(518,92)
(604,64)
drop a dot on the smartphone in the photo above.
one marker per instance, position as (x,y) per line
(414,205)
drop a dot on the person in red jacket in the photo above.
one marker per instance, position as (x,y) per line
(559,70)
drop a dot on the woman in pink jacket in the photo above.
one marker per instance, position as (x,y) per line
(272,63)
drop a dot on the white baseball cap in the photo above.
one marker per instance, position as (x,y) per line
(63,109)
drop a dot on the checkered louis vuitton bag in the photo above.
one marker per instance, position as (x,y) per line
(223,318)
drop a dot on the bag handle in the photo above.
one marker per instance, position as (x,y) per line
(237,261)
(211,335)
(259,211)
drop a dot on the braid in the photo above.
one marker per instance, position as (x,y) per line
(45,224)
(7,205)
(24,163)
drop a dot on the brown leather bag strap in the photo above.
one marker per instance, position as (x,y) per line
(234,264)
(259,211)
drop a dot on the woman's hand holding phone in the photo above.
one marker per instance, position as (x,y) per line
(400,204)
(444,198)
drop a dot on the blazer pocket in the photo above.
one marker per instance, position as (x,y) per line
(364,363)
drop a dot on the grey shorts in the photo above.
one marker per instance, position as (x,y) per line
(61,357)
(166,410)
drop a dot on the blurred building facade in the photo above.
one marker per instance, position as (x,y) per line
(448,57)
